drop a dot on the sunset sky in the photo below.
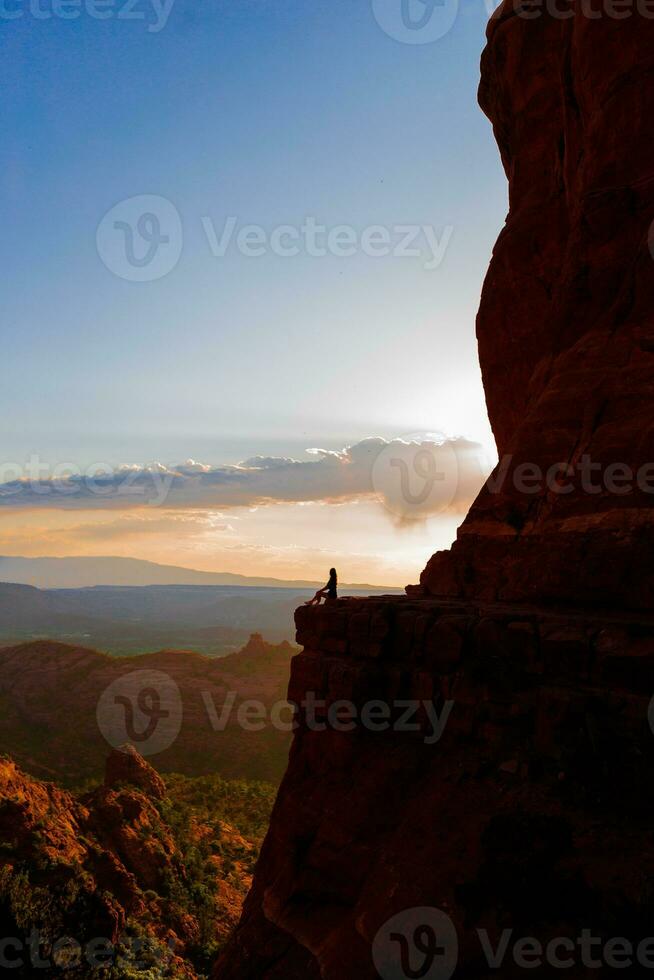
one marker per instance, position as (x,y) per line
(224,371)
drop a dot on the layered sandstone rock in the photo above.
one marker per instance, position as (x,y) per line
(532,812)
(566,323)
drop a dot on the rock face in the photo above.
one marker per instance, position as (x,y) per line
(530,643)
(125,765)
(566,323)
(530,813)
(84,867)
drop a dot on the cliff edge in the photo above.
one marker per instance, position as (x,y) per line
(472,771)
(566,322)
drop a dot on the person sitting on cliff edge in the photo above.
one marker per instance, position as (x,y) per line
(329,592)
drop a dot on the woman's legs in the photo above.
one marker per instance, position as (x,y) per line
(320,594)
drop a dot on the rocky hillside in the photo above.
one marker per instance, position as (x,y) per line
(50,696)
(138,876)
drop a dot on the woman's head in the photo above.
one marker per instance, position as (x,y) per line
(332,573)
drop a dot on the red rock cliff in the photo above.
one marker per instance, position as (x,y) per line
(532,812)
(566,323)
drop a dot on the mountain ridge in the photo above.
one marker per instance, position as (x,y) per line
(128,619)
(67,572)
(51,699)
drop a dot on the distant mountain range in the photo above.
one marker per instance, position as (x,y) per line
(124,620)
(79,573)
(50,698)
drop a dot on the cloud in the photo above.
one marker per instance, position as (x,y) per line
(178,526)
(414,478)
(135,526)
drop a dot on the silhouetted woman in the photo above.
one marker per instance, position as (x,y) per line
(329,592)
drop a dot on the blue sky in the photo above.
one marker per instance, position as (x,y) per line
(268,112)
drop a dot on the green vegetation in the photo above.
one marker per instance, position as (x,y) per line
(208,835)
(244,804)
(218,826)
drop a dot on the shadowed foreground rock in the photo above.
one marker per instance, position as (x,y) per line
(85,867)
(532,813)
(125,765)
